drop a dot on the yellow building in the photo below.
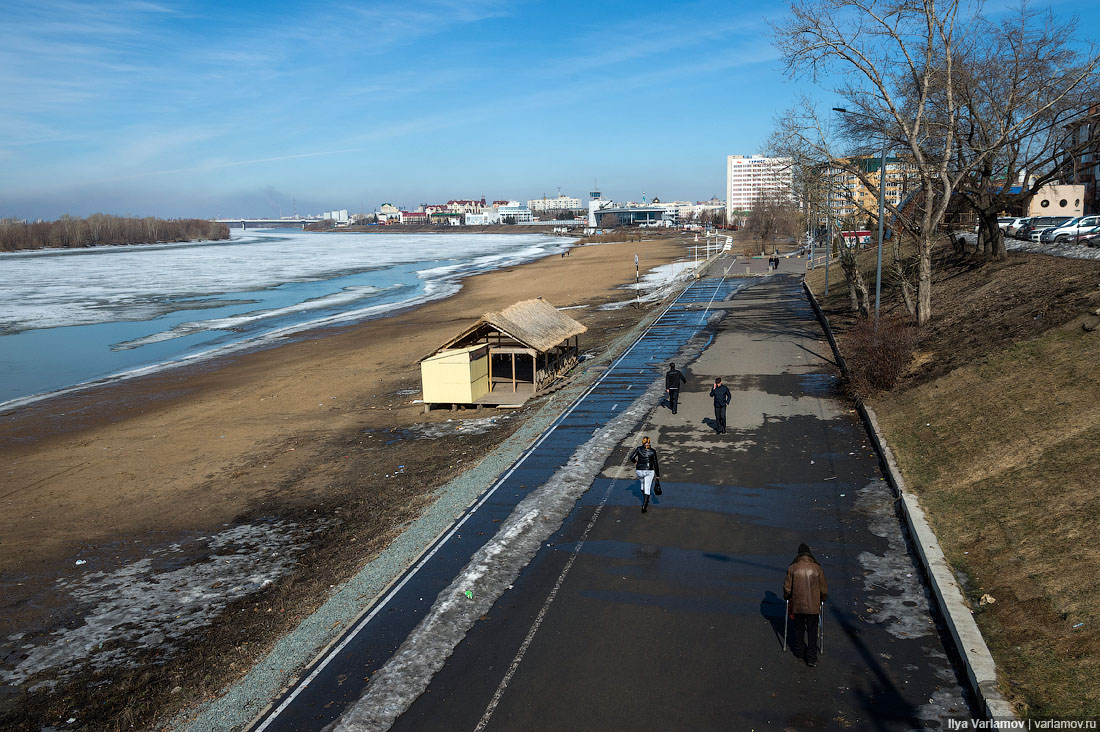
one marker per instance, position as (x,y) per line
(504,358)
(851,198)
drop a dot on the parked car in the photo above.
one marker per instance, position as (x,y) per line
(1017,225)
(1089,238)
(1003,223)
(1031,231)
(1066,231)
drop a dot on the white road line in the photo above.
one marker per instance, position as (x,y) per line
(542,612)
(335,650)
(712,296)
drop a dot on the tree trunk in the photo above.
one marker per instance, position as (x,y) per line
(997,248)
(907,297)
(903,278)
(990,236)
(924,281)
(857,287)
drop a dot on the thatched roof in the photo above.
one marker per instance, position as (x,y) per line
(535,323)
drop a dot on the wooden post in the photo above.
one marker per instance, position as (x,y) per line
(513,372)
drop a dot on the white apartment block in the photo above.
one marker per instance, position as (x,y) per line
(340,216)
(749,176)
(561,203)
(513,210)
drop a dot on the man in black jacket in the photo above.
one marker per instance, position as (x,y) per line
(722,397)
(673,380)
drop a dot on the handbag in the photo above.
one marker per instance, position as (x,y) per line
(657,486)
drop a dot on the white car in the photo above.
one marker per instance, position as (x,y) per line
(1070,229)
(1015,226)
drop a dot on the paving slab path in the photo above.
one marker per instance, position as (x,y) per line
(671,619)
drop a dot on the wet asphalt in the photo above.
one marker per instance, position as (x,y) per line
(673,619)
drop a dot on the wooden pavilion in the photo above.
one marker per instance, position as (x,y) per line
(503,359)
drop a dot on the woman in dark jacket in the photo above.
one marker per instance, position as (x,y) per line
(646,466)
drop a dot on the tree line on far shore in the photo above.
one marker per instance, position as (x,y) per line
(103,229)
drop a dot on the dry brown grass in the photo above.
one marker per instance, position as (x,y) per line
(1004,456)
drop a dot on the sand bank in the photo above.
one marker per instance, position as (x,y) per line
(192,448)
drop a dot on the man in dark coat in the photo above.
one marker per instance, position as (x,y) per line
(722,397)
(673,380)
(806,590)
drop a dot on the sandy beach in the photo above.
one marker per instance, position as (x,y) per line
(294,432)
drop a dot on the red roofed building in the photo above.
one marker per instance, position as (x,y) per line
(414,217)
(466,206)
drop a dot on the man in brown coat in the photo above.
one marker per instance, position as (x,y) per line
(806,590)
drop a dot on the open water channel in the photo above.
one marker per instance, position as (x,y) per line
(78,317)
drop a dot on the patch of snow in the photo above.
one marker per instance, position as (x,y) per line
(895,588)
(140,607)
(432,430)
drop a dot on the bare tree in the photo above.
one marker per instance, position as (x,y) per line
(963,100)
(893,56)
(1019,83)
(69,231)
(773,214)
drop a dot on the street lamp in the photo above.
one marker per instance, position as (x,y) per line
(881,207)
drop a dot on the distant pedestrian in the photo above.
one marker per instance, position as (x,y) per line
(805,590)
(646,466)
(722,397)
(673,380)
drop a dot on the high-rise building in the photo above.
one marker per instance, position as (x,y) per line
(749,176)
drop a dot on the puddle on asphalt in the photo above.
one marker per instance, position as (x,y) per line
(818,384)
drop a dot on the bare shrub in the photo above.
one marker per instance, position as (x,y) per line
(877,359)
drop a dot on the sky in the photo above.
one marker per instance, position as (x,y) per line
(232,109)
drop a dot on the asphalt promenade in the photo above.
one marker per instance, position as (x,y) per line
(673,619)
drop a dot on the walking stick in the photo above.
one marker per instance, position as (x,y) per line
(821,629)
(786,615)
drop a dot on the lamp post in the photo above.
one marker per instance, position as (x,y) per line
(881,209)
(828,233)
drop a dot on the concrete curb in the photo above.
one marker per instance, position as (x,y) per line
(972,649)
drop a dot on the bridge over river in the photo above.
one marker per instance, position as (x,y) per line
(280,223)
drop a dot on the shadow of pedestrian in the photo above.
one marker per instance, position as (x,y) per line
(711,423)
(773,607)
(636,491)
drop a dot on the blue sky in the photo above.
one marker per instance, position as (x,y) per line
(239,108)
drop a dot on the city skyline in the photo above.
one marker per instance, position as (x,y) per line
(207,110)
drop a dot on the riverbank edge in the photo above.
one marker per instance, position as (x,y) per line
(253,695)
(209,358)
(981,669)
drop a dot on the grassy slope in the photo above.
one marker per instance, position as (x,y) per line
(996,429)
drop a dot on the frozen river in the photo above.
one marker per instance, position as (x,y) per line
(75,317)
